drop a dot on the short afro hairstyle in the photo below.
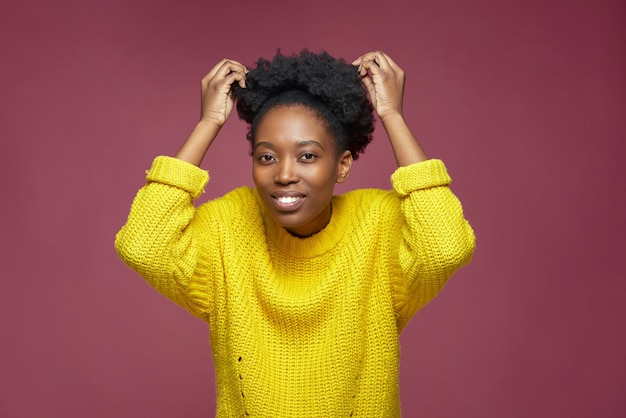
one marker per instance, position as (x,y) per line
(328,86)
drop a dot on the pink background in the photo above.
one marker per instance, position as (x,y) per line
(524,100)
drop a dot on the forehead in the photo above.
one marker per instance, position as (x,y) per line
(292,123)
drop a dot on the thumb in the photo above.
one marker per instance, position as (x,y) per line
(370,87)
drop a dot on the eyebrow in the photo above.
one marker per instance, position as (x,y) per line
(299,144)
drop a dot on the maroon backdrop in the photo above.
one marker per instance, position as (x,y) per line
(524,100)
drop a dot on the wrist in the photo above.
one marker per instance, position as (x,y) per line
(392,117)
(209,123)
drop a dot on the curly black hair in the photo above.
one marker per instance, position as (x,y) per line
(328,86)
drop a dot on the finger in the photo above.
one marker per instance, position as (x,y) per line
(213,71)
(357,61)
(379,57)
(367,56)
(239,77)
(391,62)
(369,66)
(233,71)
(237,66)
(368,83)
(229,62)
(230,67)
(223,68)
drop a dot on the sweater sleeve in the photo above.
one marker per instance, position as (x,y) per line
(159,239)
(436,238)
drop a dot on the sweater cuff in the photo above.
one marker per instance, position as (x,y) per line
(422,175)
(178,173)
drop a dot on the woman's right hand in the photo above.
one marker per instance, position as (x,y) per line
(217,100)
(217,103)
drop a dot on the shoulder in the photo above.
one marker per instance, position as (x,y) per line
(369,206)
(242,200)
(369,198)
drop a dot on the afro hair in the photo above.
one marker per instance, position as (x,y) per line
(328,86)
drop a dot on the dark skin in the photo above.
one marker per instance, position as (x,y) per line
(285,142)
(295,168)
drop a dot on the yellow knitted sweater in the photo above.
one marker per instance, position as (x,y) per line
(300,327)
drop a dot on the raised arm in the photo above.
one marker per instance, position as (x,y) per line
(217,104)
(160,239)
(384,80)
(436,238)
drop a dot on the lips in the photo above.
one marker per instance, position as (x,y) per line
(288,201)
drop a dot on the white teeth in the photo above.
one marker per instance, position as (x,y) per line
(287,199)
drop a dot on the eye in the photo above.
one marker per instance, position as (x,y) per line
(308,156)
(265,158)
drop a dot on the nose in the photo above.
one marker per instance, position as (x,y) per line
(286,172)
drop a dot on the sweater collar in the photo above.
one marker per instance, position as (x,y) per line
(312,246)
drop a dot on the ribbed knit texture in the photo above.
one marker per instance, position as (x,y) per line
(300,327)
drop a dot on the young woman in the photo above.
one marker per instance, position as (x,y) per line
(305,292)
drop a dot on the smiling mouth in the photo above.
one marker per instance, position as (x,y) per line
(288,199)
(287,203)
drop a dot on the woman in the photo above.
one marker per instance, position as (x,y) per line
(305,292)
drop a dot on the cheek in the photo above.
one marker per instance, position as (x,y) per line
(258,174)
(323,178)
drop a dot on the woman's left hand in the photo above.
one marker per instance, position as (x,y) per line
(384,81)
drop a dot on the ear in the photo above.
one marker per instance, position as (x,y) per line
(345,164)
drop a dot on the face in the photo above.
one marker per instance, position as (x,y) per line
(296,166)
